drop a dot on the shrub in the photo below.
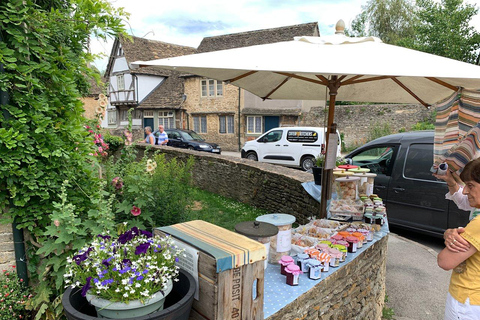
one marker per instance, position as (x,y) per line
(15,297)
(114,142)
(379,130)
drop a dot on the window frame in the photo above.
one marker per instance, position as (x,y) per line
(120,82)
(228,123)
(209,88)
(200,124)
(255,118)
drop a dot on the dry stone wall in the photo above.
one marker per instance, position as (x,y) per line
(357,121)
(266,186)
(7,253)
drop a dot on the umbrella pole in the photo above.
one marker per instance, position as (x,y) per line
(327,175)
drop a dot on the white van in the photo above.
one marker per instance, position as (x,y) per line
(288,146)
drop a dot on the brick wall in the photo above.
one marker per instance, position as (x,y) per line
(356,121)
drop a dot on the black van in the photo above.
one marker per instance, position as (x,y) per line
(414,198)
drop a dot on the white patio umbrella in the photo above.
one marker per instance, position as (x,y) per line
(353,69)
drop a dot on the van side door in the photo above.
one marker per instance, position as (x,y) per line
(270,147)
(416,199)
(380,159)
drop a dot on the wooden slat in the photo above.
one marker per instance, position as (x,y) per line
(352,79)
(194,315)
(301,78)
(208,303)
(323,79)
(249,73)
(409,91)
(253,309)
(443,83)
(355,81)
(276,88)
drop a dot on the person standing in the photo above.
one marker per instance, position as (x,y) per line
(463,298)
(150,139)
(162,137)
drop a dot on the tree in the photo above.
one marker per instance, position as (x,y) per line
(43,142)
(390,20)
(444,29)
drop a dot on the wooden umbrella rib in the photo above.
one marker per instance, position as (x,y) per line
(323,79)
(301,78)
(443,83)
(352,79)
(276,88)
(249,73)
(409,91)
(355,81)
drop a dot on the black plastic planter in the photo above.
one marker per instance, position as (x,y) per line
(177,304)
(317,175)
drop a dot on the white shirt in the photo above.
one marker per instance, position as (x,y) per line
(461,200)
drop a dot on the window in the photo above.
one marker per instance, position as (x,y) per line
(112,116)
(120,82)
(254,124)
(211,88)
(200,124)
(226,124)
(166,119)
(272,136)
(417,165)
(377,159)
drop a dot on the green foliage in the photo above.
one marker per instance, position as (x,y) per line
(424,125)
(114,142)
(320,160)
(15,297)
(445,29)
(43,50)
(379,130)
(390,20)
(219,210)
(158,187)
(387,313)
(438,27)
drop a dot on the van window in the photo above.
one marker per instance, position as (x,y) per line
(418,162)
(302,136)
(377,159)
(272,136)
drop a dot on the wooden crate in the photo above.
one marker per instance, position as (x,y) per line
(228,294)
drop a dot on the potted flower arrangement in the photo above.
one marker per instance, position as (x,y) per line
(125,277)
(318,168)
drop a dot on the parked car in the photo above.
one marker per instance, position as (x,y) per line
(288,146)
(189,139)
(414,198)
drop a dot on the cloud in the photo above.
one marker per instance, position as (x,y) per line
(184,24)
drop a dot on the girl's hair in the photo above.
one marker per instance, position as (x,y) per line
(471,172)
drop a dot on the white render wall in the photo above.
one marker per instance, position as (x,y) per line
(146,84)
(120,64)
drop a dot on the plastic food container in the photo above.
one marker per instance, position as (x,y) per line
(258,231)
(281,243)
(347,187)
(367,181)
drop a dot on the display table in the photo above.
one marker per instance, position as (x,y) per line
(278,295)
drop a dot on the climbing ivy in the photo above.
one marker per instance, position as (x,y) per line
(44,53)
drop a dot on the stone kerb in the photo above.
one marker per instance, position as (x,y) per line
(269,187)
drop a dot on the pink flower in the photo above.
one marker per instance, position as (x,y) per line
(100,149)
(136,211)
(87,127)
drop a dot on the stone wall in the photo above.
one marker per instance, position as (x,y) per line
(7,253)
(266,186)
(355,291)
(357,121)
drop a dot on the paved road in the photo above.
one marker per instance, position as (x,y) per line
(416,286)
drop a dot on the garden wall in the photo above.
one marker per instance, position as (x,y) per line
(7,253)
(266,186)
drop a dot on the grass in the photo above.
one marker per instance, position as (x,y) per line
(387,313)
(221,211)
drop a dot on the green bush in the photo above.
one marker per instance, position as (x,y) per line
(15,297)
(114,142)
(379,130)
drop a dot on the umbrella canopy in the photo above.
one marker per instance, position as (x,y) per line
(347,69)
(365,68)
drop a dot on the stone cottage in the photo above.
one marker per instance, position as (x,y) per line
(157,96)
(228,115)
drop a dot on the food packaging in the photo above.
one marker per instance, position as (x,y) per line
(347,187)
(281,243)
(367,180)
(258,231)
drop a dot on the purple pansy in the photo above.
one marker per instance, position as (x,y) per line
(142,248)
(86,287)
(146,233)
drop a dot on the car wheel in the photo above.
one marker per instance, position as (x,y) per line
(307,163)
(252,156)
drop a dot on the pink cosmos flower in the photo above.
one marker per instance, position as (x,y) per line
(135,211)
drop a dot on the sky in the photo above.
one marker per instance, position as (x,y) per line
(187,22)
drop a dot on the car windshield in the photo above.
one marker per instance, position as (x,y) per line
(192,135)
